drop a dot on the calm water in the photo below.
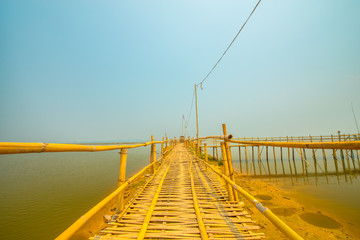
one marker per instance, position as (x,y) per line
(42,194)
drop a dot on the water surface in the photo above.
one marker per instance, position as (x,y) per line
(44,193)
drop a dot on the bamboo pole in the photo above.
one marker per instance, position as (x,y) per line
(152,155)
(226,171)
(253,159)
(314,158)
(291,173)
(335,158)
(229,159)
(267,160)
(282,161)
(274,159)
(291,234)
(259,160)
(246,161)
(325,159)
(121,179)
(240,159)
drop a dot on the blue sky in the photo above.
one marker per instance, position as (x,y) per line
(117,70)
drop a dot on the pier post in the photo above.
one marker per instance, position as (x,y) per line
(314,157)
(282,161)
(226,171)
(162,146)
(259,158)
(152,154)
(342,156)
(121,180)
(324,157)
(335,158)
(206,152)
(274,158)
(253,159)
(287,139)
(229,159)
(240,159)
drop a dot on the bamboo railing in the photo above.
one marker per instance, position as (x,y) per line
(116,198)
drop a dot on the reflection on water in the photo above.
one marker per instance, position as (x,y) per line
(42,194)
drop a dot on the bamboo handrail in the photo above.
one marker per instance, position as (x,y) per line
(355,145)
(70,231)
(13,147)
(265,211)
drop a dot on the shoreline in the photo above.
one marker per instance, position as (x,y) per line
(288,208)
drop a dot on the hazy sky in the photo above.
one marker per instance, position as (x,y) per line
(114,70)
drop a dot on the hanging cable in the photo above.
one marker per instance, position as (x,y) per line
(229,45)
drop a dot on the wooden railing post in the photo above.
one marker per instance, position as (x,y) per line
(229,160)
(226,171)
(206,152)
(152,158)
(162,146)
(121,180)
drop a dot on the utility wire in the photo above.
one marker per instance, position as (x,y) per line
(230,44)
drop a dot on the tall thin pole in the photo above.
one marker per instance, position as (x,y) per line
(197,123)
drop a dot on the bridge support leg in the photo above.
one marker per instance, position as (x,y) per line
(226,172)
(229,160)
(122,175)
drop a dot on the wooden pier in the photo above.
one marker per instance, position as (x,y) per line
(182,200)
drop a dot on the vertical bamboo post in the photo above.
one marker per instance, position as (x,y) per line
(293,158)
(226,171)
(274,159)
(162,146)
(287,139)
(152,158)
(205,151)
(121,179)
(240,159)
(253,159)
(217,156)
(259,159)
(335,158)
(246,161)
(213,153)
(352,156)
(324,157)
(314,157)
(282,161)
(342,155)
(267,159)
(229,159)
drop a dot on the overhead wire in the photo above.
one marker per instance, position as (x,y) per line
(229,45)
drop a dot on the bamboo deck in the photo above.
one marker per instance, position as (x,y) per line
(182,200)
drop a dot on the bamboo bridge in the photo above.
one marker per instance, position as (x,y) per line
(185,195)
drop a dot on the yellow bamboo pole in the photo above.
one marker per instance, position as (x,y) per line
(226,171)
(318,145)
(229,160)
(152,206)
(121,180)
(283,227)
(70,231)
(14,148)
(199,218)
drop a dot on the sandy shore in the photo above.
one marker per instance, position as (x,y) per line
(286,207)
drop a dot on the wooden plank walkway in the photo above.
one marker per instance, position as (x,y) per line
(183,200)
